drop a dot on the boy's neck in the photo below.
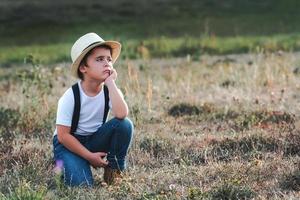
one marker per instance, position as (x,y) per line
(91,88)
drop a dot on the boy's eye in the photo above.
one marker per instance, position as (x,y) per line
(101,59)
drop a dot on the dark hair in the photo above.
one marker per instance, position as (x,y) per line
(84,59)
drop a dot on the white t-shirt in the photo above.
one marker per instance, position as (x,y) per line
(91,111)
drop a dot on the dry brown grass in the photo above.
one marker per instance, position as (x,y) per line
(220,128)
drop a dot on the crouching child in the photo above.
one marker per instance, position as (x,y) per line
(82,137)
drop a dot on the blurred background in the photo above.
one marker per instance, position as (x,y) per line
(46,29)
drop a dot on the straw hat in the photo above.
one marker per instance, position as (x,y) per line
(87,42)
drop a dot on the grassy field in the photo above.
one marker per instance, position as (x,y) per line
(212,87)
(221,127)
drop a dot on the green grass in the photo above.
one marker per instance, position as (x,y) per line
(158,48)
(42,54)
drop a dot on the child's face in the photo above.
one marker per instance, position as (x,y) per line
(99,64)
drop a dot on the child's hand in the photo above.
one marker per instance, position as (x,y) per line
(97,159)
(112,77)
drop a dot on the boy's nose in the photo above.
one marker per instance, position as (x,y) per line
(106,63)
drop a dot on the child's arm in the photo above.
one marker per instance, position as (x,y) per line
(119,106)
(71,143)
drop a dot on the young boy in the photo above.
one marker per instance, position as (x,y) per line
(89,141)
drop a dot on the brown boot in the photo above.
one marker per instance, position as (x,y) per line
(112,176)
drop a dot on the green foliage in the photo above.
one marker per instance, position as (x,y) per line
(229,191)
(25,191)
(197,194)
(153,196)
(226,191)
(35,54)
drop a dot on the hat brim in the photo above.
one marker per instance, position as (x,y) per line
(116,50)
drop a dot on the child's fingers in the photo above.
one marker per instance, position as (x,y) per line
(103,162)
(102,154)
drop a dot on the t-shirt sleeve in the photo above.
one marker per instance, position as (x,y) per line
(65,109)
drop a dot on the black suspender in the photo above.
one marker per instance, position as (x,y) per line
(76,112)
(106,107)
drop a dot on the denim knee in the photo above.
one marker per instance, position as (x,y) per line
(120,143)
(77,172)
(125,126)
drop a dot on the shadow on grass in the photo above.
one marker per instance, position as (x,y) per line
(291,181)
(245,148)
(238,120)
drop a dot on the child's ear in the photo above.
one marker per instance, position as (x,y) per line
(82,68)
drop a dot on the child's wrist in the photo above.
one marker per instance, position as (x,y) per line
(88,156)
(110,83)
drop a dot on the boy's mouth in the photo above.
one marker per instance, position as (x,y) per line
(107,71)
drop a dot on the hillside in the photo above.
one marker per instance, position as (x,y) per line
(28,22)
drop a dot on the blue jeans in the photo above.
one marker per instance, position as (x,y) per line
(114,137)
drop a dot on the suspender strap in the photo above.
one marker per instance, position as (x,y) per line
(76,112)
(106,107)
